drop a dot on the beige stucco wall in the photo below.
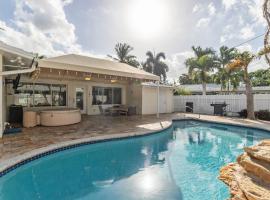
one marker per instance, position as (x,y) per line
(143,97)
(71,85)
(134,97)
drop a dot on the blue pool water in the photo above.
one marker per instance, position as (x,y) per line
(182,162)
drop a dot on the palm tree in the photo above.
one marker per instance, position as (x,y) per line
(266,14)
(123,54)
(155,64)
(242,62)
(223,76)
(199,51)
(200,65)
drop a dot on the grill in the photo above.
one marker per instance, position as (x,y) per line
(219,108)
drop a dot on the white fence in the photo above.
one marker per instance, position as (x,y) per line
(201,104)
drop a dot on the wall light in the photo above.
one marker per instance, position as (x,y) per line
(113,81)
(87,78)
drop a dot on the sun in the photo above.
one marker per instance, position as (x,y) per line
(147,18)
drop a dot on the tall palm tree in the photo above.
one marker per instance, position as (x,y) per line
(200,65)
(155,64)
(242,61)
(224,76)
(123,54)
(266,14)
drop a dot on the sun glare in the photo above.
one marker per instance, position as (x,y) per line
(148,18)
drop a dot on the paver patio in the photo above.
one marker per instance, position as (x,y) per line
(93,126)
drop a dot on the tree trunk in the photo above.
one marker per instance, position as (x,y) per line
(204,88)
(250,99)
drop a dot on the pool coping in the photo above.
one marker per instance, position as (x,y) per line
(13,163)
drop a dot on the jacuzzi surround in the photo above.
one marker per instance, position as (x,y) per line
(60,117)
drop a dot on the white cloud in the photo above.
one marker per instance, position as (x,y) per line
(247,32)
(203,22)
(196,8)
(176,63)
(255,11)
(222,39)
(211,9)
(245,47)
(41,26)
(228,4)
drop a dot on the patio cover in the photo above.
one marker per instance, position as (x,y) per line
(74,62)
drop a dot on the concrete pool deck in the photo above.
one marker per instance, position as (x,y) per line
(17,147)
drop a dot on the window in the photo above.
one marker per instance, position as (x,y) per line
(106,95)
(59,95)
(40,94)
(24,95)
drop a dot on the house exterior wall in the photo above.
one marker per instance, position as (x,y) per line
(143,97)
(71,85)
(134,97)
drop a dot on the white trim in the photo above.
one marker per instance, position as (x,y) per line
(2,128)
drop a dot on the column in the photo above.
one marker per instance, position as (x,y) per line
(158,99)
(1,98)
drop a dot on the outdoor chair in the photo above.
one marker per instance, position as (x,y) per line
(123,110)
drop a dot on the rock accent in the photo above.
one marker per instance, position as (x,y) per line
(249,178)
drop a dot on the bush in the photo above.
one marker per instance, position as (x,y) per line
(263,115)
(181,91)
(243,113)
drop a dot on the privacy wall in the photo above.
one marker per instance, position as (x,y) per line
(236,103)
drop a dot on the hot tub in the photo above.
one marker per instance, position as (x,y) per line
(60,117)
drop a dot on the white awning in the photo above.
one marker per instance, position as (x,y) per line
(87,64)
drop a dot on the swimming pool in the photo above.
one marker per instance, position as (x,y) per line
(181,162)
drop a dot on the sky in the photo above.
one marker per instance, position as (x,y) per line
(93,27)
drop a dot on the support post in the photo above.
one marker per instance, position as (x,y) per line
(158,99)
(1,99)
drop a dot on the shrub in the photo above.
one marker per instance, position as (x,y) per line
(243,113)
(263,115)
(181,91)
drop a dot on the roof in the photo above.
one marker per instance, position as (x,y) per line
(95,65)
(151,84)
(5,48)
(216,88)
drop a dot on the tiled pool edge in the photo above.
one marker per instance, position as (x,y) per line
(225,123)
(15,162)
